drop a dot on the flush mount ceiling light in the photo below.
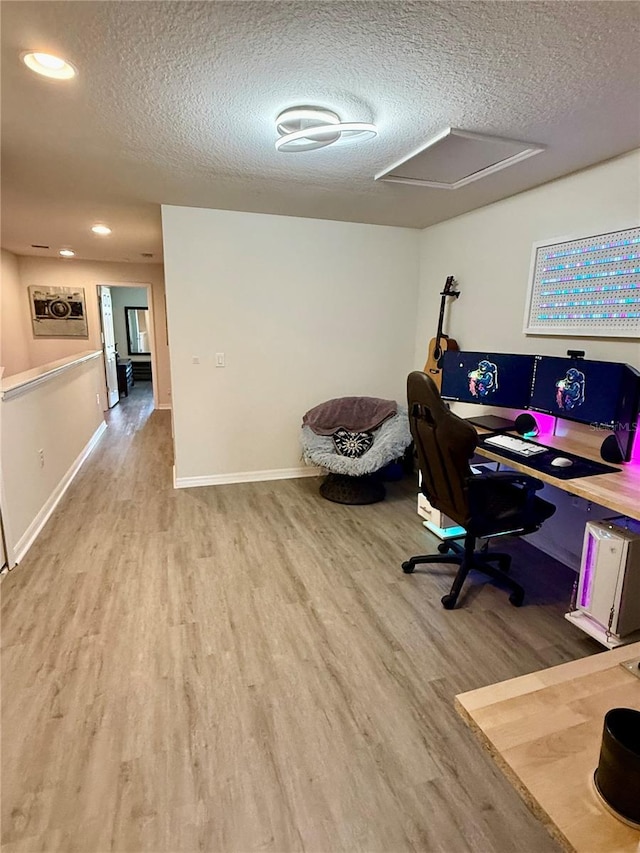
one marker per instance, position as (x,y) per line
(308,128)
(103,230)
(67,253)
(48,65)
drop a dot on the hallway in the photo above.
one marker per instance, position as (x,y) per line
(246,667)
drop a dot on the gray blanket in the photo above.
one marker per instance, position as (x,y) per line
(356,414)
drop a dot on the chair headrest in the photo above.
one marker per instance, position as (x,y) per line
(423,392)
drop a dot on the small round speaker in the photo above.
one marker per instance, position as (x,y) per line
(526,424)
(610,451)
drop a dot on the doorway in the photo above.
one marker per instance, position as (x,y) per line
(126,314)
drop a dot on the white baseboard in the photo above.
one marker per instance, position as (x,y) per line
(29,536)
(244,477)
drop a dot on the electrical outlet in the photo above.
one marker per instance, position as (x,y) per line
(41,457)
(97,399)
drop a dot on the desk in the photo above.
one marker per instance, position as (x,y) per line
(619,492)
(544,731)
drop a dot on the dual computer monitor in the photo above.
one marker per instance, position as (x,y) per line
(600,393)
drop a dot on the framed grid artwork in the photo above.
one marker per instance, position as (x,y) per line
(586,287)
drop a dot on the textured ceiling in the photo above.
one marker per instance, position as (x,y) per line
(175,103)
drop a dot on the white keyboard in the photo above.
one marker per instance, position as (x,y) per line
(515,445)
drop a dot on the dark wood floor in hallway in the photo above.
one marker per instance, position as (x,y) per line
(246,667)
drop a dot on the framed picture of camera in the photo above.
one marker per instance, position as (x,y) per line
(58,312)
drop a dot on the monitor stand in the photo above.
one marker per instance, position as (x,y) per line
(492,422)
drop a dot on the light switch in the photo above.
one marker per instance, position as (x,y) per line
(219,359)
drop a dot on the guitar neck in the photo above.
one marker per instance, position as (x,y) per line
(448,291)
(440,321)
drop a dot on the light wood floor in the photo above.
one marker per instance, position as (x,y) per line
(245,667)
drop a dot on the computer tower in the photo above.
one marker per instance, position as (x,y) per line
(609,582)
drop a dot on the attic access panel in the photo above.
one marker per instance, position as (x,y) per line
(455,158)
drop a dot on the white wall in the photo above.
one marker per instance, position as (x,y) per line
(40,419)
(51,272)
(15,325)
(121,298)
(489,252)
(303,309)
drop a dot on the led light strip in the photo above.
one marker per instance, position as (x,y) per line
(588,302)
(591,275)
(603,288)
(588,249)
(632,257)
(622,315)
(589,572)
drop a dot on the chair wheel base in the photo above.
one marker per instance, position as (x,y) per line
(449,601)
(516,598)
(408,568)
(443,548)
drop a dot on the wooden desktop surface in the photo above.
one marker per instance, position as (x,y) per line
(545,730)
(619,492)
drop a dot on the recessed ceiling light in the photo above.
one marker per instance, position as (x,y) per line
(48,65)
(66,253)
(101,229)
(309,128)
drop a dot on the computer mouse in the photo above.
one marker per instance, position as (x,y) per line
(561,462)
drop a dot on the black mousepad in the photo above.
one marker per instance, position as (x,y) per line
(542,462)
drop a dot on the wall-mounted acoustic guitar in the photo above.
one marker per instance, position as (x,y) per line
(441,343)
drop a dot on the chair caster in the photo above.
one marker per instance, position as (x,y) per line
(443,548)
(408,568)
(449,601)
(516,598)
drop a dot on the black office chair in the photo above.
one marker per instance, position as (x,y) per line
(486,505)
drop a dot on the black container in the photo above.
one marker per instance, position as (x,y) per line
(617,778)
